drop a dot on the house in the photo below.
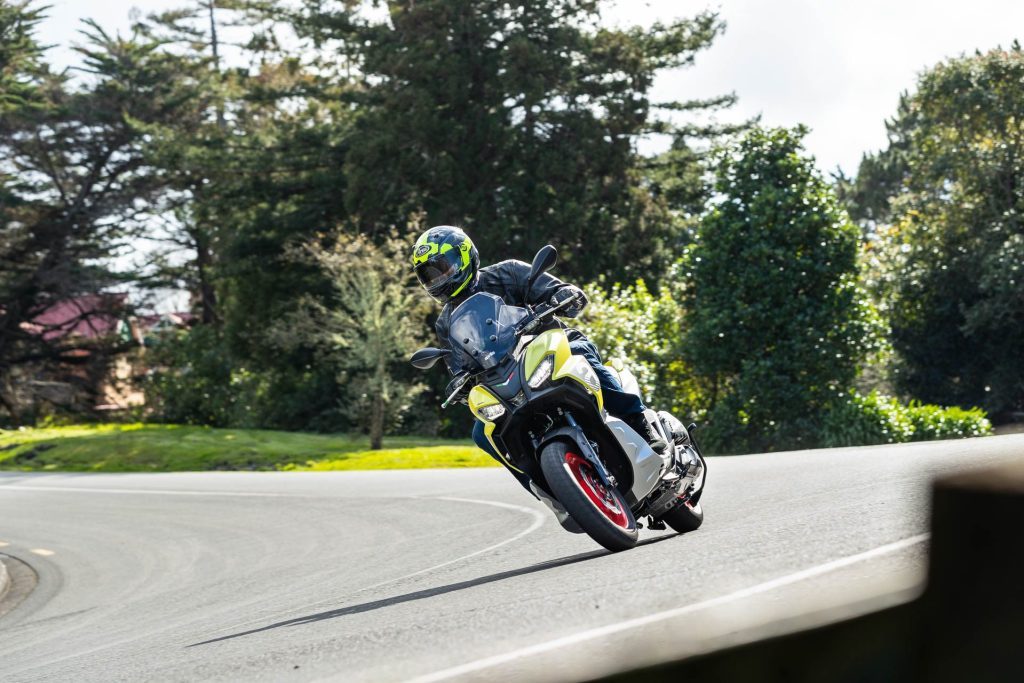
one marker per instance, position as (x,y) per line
(84,381)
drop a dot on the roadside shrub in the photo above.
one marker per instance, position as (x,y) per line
(936,422)
(877,419)
(644,330)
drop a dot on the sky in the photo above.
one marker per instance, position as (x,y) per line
(837,66)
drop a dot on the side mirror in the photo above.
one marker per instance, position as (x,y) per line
(542,262)
(424,359)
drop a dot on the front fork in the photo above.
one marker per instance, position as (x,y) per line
(574,432)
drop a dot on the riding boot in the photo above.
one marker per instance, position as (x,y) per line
(639,423)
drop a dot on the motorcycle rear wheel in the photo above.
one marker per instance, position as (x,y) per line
(683,518)
(600,511)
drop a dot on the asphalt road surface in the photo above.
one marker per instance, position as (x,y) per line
(444,574)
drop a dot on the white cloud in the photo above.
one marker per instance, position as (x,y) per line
(838,66)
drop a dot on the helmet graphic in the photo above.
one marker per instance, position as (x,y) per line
(445,261)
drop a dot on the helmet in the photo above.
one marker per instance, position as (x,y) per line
(445,262)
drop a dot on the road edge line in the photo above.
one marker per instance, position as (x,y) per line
(538,521)
(610,629)
(5,579)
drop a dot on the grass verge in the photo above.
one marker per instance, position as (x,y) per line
(173,448)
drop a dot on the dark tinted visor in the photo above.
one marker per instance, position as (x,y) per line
(438,270)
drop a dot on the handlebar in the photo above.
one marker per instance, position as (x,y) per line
(532,323)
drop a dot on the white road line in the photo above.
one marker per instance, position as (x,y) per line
(538,520)
(156,492)
(42,551)
(611,629)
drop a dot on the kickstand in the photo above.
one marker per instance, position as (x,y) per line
(656,524)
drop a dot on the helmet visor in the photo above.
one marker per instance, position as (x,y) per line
(438,271)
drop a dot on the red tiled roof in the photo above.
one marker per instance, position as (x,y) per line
(89,316)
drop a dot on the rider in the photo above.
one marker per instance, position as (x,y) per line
(448,266)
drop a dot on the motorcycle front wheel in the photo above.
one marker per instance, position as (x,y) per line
(601,511)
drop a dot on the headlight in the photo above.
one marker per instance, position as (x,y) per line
(492,413)
(542,373)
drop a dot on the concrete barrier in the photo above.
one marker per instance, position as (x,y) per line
(968,625)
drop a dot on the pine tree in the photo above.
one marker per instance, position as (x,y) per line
(517,120)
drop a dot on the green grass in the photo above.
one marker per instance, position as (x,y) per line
(172,448)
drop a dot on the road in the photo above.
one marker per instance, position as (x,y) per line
(445,574)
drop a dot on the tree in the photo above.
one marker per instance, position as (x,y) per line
(776,324)
(254,172)
(366,328)
(517,120)
(958,281)
(76,189)
(20,52)
(203,152)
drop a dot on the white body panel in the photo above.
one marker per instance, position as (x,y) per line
(648,465)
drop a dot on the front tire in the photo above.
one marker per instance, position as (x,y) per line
(683,518)
(601,511)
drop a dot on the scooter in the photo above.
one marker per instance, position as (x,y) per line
(543,411)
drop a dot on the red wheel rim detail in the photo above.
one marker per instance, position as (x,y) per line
(608,502)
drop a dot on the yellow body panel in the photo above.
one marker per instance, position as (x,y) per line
(555,343)
(550,343)
(579,369)
(479,397)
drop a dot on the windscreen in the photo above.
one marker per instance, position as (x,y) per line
(483,330)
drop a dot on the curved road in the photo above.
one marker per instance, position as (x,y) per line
(443,575)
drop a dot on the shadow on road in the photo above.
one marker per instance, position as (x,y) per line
(429,592)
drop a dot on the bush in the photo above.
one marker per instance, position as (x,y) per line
(196,380)
(935,422)
(644,330)
(878,419)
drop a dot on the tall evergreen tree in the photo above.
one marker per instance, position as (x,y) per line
(77,187)
(517,120)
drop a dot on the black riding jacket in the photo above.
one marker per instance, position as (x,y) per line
(507,280)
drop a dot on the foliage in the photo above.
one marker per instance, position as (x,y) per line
(76,188)
(516,120)
(193,382)
(776,323)
(877,419)
(20,52)
(632,324)
(174,448)
(955,272)
(366,328)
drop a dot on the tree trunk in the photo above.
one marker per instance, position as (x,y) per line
(10,406)
(215,46)
(376,422)
(207,294)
